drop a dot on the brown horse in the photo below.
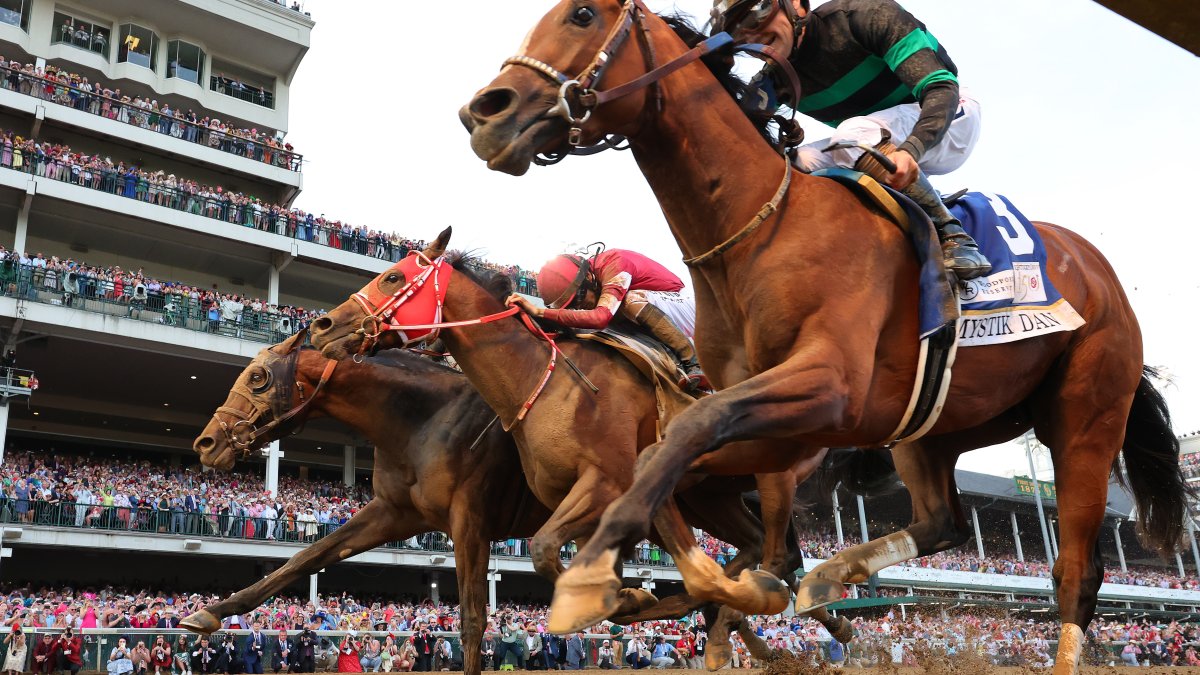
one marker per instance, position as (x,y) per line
(804,363)
(429,473)
(578,448)
(426,478)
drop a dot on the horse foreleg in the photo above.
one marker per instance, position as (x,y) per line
(376,524)
(471,553)
(938,524)
(797,397)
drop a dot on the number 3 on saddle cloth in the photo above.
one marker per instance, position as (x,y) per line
(1016,301)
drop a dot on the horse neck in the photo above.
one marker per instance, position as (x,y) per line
(688,150)
(384,403)
(501,359)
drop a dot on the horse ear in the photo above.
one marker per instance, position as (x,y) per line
(438,247)
(291,344)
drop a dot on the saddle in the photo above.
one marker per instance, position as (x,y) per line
(653,360)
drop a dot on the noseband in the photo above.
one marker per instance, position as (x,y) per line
(243,434)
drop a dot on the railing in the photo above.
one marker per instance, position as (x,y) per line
(16,382)
(110,108)
(240,90)
(148,519)
(88,294)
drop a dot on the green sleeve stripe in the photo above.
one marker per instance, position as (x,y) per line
(935,76)
(908,45)
(839,91)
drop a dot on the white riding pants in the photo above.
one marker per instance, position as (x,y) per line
(680,307)
(946,156)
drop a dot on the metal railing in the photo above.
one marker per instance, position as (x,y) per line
(149,519)
(110,108)
(89,294)
(239,90)
(16,382)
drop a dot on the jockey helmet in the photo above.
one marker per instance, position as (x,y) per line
(559,280)
(730,15)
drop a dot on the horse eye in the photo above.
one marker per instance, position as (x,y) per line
(583,16)
(392,278)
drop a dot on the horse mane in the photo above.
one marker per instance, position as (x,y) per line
(720,64)
(497,284)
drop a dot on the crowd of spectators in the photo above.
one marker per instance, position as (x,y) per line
(69,282)
(62,163)
(73,90)
(378,633)
(1190,463)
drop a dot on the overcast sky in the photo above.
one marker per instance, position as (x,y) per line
(1089,122)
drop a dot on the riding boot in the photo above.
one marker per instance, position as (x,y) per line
(959,251)
(665,331)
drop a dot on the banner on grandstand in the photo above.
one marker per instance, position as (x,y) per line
(1025,486)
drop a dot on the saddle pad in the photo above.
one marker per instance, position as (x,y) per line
(1017,300)
(652,359)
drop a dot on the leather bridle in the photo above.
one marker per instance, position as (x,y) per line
(578,98)
(244,434)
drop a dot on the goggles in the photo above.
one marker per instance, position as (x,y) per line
(741,16)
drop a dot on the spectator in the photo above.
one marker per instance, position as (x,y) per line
(44,655)
(119,659)
(663,654)
(70,651)
(281,650)
(204,657)
(348,661)
(637,652)
(370,657)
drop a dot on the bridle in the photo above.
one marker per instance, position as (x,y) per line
(578,98)
(408,303)
(244,434)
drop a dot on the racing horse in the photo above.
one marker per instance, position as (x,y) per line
(438,466)
(578,447)
(832,364)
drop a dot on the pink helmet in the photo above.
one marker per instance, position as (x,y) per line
(559,280)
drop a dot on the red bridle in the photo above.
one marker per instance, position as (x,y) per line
(408,303)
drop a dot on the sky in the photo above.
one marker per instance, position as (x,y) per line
(1088,122)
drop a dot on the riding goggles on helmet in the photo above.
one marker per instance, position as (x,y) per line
(735,16)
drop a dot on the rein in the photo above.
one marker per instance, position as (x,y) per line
(245,422)
(587,99)
(382,316)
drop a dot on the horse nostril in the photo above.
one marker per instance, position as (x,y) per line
(204,444)
(322,324)
(493,103)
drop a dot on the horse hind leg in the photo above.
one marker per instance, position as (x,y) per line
(1084,426)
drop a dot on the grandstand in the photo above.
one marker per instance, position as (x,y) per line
(130,299)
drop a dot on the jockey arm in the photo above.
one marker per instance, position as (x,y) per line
(612,294)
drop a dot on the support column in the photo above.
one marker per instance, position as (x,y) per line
(978,536)
(279,262)
(1179,563)
(348,465)
(1120,547)
(22,230)
(492,578)
(873,581)
(837,518)
(312,588)
(433,588)
(3,430)
(1017,536)
(1191,539)
(1053,536)
(1037,496)
(273,455)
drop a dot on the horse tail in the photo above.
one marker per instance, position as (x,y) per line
(1152,472)
(863,472)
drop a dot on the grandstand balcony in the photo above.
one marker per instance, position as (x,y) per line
(171,51)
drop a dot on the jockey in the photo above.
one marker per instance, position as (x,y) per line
(588,293)
(873,71)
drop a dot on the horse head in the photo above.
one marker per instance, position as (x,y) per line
(362,323)
(259,408)
(546,94)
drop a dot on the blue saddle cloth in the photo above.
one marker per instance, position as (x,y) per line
(1017,300)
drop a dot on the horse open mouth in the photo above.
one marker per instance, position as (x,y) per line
(515,156)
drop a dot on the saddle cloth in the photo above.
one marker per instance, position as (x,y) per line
(1017,300)
(655,363)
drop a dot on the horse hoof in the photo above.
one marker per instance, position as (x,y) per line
(584,595)
(202,622)
(844,632)
(816,592)
(771,596)
(717,657)
(634,601)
